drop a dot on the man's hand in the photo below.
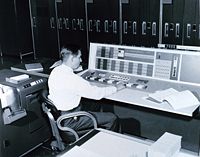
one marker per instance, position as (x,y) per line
(120,86)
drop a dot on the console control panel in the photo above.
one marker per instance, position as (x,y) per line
(33,83)
(114,79)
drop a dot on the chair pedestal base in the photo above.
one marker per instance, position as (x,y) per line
(57,146)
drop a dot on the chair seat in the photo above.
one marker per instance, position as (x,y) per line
(62,133)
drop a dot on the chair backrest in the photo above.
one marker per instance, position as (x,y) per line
(49,108)
(49,103)
(68,135)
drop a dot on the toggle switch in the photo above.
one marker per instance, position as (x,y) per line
(110,81)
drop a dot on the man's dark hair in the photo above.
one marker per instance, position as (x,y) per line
(71,49)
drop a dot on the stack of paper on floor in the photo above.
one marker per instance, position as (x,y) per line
(175,98)
(166,146)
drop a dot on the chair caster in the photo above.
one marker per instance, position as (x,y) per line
(55,146)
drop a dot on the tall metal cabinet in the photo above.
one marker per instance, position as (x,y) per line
(181,22)
(191,25)
(131,22)
(55,23)
(103,21)
(140,22)
(15,28)
(71,18)
(173,22)
(44,25)
(149,14)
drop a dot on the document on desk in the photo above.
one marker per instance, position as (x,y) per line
(176,99)
(37,67)
(167,145)
(17,79)
(109,145)
(77,151)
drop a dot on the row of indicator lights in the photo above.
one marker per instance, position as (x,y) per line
(109,81)
(119,77)
(135,85)
(33,83)
(36,82)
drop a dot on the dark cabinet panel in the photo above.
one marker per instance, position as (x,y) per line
(140,23)
(72,25)
(191,23)
(44,26)
(25,42)
(172,26)
(15,27)
(103,21)
(149,23)
(131,24)
(8,27)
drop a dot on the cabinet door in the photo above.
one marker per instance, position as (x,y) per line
(15,19)
(149,15)
(72,25)
(24,32)
(131,23)
(172,25)
(44,26)
(103,21)
(191,23)
(8,28)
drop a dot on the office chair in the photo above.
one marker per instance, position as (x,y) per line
(63,135)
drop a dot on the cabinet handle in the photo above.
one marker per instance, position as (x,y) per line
(34,21)
(90,25)
(73,24)
(125,27)
(106,26)
(166,30)
(144,28)
(81,25)
(134,27)
(97,25)
(115,27)
(153,29)
(59,23)
(177,34)
(199,31)
(52,22)
(189,30)
(66,23)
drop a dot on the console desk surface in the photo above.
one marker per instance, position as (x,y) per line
(104,143)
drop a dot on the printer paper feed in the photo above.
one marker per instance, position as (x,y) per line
(17,79)
(20,77)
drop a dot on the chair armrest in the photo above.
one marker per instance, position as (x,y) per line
(71,115)
(47,111)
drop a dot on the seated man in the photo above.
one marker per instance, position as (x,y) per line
(66,89)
